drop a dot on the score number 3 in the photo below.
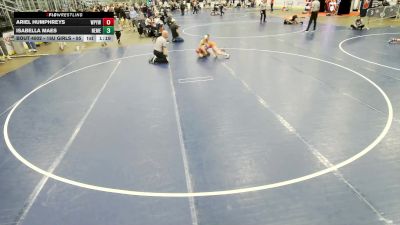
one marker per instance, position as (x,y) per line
(108,30)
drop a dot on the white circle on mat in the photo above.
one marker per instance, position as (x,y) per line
(363,59)
(363,152)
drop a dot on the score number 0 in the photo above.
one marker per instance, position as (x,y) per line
(108,21)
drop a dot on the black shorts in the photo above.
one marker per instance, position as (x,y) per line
(160,57)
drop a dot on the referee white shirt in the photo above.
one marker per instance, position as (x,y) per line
(315,6)
(161,44)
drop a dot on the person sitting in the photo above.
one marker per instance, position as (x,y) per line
(173,6)
(150,22)
(205,44)
(292,20)
(358,24)
(164,15)
(158,27)
(141,25)
(160,49)
(174,31)
(158,21)
(394,41)
(151,26)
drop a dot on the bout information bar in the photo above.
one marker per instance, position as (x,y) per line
(63,26)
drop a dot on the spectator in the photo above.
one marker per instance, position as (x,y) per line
(221,9)
(183,6)
(3,55)
(175,33)
(272,5)
(358,24)
(195,7)
(263,11)
(31,46)
(134,17)
(117,28)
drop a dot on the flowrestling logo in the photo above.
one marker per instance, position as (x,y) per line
(57,15)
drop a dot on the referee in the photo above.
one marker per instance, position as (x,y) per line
(315,5)
(160,50)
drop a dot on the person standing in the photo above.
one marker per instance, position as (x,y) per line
(221,8)
(315,6)
(160,49)
(117,28)
(183,6)
(195,7)
(263,11)
(272,5)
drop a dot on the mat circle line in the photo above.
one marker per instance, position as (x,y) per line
(184,31)
(335,167)
(362,59)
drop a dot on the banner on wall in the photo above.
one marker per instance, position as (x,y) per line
(383,11)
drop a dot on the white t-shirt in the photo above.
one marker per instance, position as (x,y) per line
(263,6)
(160,44)
(148,22)
(117,25)
(315,6)
(158,21)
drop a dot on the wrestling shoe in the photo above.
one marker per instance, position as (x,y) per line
(152,59)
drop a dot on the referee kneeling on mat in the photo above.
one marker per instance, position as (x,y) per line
(160,49)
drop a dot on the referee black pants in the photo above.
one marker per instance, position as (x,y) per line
(313,18)
(160,57)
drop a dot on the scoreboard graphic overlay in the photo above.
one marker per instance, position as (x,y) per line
(63,26)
